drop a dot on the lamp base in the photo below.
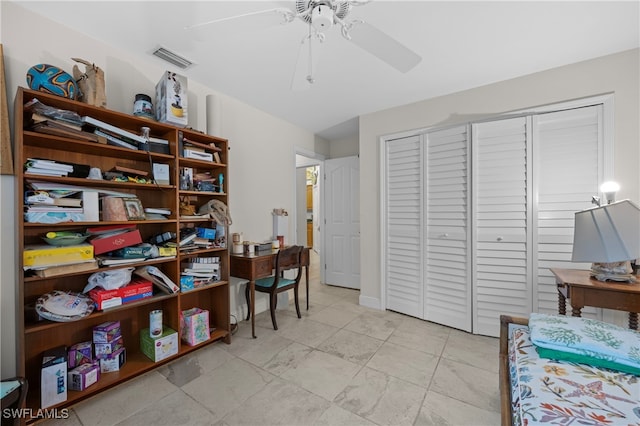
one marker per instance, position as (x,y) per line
(614,271)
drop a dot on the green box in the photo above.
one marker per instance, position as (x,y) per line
(161,347)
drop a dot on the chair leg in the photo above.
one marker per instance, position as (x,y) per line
(273,302)
(246,295)
(295,298)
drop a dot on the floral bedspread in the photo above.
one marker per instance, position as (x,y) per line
(546,391)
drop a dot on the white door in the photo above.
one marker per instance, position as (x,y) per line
(447,276)
(568,146)
(502,217)
(403,247)
(342,222)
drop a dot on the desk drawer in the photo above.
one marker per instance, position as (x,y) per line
(263,267)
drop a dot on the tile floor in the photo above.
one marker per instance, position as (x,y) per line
(341,364)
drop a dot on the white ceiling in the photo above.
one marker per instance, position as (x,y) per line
(463,45)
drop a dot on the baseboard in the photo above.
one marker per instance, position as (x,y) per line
(370,302)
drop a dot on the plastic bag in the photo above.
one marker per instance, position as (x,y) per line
(109,280)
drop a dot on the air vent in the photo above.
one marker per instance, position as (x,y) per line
(173,58)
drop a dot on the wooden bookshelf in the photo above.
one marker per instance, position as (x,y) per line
(36,336)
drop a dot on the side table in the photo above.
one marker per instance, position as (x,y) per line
(582,290)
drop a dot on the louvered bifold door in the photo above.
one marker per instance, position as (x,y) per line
(403,226)
(447,297)
(568,148)
(502,218)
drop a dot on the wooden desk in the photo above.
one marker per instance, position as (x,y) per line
(581,290)
(261,265)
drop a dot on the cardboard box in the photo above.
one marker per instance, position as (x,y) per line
(195,326)
(207,233)
(171,99)
(53,377)
(106,332)
(80,353)
(114,242)
(48,255)
(114,361)
(103,350)
(83,376)
(160,348)
(137,289)
(198,155)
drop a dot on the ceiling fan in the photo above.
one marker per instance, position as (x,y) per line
(321,16)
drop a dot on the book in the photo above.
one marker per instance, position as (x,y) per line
(107,229)
(113,129)
(48,164)
(112,140)
(39,118)
(45,172)
(52,208)
(66,269)
(129,171)
(33,198)
(158,210)
(52,128)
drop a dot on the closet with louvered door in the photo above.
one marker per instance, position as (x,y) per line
(474,216)
(427,271)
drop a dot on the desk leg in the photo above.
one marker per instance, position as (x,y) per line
(633,320)
(252,286)
(306,276)
(562,301)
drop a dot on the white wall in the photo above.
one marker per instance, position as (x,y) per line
(618,74)
(346,147)
(262,161)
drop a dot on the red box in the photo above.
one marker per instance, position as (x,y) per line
(137,289)
(114,242)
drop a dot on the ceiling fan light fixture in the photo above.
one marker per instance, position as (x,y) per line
(322,17)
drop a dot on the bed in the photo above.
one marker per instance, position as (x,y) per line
(538,391)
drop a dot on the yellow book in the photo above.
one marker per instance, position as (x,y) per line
(48,255)
(167,251)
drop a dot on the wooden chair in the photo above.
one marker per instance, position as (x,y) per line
(286,259)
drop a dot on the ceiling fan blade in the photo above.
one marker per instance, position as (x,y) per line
(381,45)
(243,23)
(306,65)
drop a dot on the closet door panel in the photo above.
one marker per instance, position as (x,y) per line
(501,218)
(403,233)
(568,146)
(447,297)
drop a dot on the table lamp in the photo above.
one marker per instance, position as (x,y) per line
(609,237)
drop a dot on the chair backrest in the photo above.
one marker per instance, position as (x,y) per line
(287,259)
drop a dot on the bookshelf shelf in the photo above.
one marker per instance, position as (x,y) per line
(35,337)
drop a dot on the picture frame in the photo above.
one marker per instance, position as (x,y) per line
(6,157)
(133,208)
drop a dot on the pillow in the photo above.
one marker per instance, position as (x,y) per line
(586,341)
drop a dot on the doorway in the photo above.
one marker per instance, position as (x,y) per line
(308,210)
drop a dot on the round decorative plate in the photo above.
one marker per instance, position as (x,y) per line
(51,79)
(64,306)
(66,240)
